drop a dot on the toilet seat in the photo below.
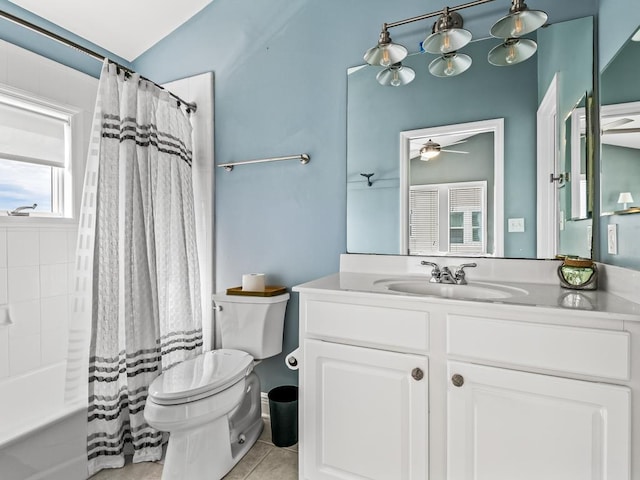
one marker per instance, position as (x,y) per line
(202,376)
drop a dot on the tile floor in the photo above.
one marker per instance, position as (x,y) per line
(264,461)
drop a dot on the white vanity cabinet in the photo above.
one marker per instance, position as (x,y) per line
(364,392)
(506,424)
(395,387)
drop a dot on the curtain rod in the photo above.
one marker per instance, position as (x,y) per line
(53,36)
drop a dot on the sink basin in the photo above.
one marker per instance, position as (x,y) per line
(475,291)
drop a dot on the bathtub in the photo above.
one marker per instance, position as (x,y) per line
(41,436)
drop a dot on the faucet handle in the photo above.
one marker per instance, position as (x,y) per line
(460,274)
(435,270)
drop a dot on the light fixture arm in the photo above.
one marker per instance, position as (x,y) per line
(386,26)
(517,6)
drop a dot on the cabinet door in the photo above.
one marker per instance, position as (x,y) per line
(364,413)
(505,425)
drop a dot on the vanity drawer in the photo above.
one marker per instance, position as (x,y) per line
(378,327)
(584,351)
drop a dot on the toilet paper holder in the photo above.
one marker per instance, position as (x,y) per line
(291,360)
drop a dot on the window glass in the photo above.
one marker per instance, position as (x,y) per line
(35,140)
(25,184)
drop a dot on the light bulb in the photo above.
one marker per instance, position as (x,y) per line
(385,61)
(518,26)
(450,69)
(512,54)
(395,80)
(445,46)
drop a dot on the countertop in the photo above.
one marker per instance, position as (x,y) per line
(539,295)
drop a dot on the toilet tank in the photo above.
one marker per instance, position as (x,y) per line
(252,324)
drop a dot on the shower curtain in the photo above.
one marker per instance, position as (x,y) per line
(137,261)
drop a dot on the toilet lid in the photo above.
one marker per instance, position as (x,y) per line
(204,375)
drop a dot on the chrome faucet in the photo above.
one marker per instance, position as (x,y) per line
(459,275)
(435,271)
(444,275)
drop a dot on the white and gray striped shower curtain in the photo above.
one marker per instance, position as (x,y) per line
(137,263)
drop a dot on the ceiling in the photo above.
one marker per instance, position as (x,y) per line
(127,28)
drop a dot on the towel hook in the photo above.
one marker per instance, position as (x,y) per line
(368,175)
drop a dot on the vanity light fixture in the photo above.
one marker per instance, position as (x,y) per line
(448,37)
(386,53)
(520,21)
(448,34)
(512,51)
(625,198)
(450,64)
(396,75)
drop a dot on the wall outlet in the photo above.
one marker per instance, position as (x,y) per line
(516,225)
(612,239)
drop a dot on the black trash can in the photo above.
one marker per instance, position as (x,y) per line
(283,408)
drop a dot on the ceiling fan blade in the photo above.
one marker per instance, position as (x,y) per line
(621,130)
(457,143)
(616,124)
(453,151)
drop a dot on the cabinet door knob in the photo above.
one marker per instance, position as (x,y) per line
(457,380)
(417,374)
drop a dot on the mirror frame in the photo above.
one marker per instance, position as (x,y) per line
(495,126)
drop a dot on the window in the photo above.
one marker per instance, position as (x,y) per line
(35,154)
(423,220)
(467,205)
(448,218)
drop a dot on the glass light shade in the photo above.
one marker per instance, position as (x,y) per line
(511,52)
(636,36)
(446,41)
(396,76)
(450,65)
(385,54)
(429,150)
(519,23)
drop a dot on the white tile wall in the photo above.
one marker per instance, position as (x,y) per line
(23,247)
(36,259)
(38,297)
(24,283)
(24,353)
(25,317)
(53,280)
(53,247)
(3,248)
(4,352)
(54,325)
(4,294)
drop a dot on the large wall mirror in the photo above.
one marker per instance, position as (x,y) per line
(381,176)
(620,156)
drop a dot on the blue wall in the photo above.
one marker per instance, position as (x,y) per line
(617,20)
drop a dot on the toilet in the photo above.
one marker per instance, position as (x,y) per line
(211,405)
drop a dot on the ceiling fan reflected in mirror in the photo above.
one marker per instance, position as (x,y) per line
(432,149)
(613,127)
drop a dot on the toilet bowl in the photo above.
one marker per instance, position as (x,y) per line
(210,404)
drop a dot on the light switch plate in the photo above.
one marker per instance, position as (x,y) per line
(612,239)
(516,225)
